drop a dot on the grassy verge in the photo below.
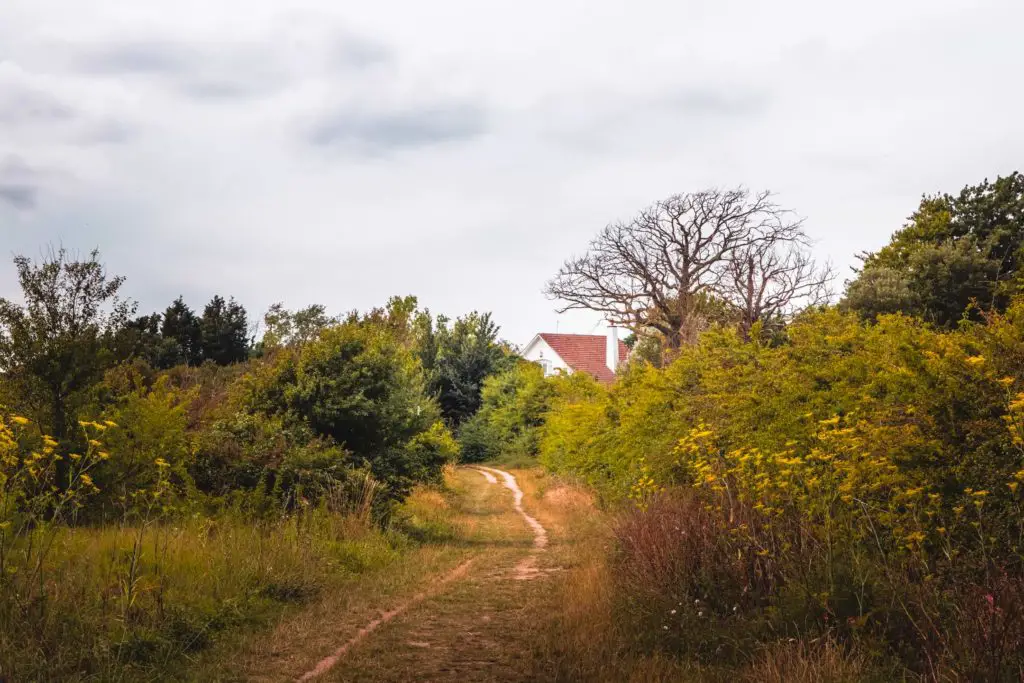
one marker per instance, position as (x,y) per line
(616,617)
(133,603)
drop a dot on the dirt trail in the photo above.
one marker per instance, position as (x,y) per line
(474,622)
(540,539)
(527,568)
(327,663)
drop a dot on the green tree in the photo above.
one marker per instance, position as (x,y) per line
(955,253)
(466,354)
(52,348)
(362,387)
(180,325)
(138,338)
(513,406)
(290,328)
(224,332)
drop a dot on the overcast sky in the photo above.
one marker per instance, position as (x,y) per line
(322,151)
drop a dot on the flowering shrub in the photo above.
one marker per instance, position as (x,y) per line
(37,495)
(860,481)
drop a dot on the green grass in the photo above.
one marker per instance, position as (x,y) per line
(515,460)
(127,603)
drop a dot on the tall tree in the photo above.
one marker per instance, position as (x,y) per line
(770,279)
(466,354)
(52,347)
(661,269)
(181,325)
(224,330)
(955,254)
(141,338)
(293,328)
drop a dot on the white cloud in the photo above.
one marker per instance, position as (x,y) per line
(458,150)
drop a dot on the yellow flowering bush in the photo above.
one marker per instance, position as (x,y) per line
(860,480)
(39,491)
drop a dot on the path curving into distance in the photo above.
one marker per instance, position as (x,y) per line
(527,568)
(328,663)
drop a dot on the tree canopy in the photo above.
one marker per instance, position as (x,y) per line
(955,254)
(52,347)
(663,269)
(224,332)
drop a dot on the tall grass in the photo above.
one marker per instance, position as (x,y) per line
(679,592)
(121,603)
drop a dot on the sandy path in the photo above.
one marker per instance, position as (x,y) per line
(328,663)
(540,534)
(487,475)
(525,569)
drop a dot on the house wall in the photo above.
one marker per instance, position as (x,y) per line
(538,350)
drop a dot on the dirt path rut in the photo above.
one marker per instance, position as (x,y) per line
(465,624)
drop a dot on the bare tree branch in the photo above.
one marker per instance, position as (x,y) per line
(774,278)
(657,270)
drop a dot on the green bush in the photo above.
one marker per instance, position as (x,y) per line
(854,481)
(359,386)
(512,410)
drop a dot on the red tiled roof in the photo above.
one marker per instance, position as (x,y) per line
(585,353)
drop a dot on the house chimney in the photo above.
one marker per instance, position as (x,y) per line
(612,352)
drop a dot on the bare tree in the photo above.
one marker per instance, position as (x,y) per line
(772,278)
(658,269)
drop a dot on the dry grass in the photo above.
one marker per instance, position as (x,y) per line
(800,662)
(128,603)
(619,616)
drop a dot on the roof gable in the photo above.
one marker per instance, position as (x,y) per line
(585,353)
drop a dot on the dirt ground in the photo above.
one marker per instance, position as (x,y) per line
(468,609)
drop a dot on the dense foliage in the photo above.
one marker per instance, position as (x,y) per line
(507,425)
(956,253)
(854,481)
(121,434)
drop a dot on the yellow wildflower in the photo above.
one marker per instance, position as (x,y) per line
(975,360)
(915,537)
(18,419)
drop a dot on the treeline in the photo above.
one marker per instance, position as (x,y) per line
(317,401)
(179,336)
(830,492)
(121,427)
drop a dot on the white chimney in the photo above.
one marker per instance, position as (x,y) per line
(612,351)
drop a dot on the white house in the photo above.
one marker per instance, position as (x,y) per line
(595,354)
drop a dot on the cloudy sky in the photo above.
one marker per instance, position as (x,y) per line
(321,151)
